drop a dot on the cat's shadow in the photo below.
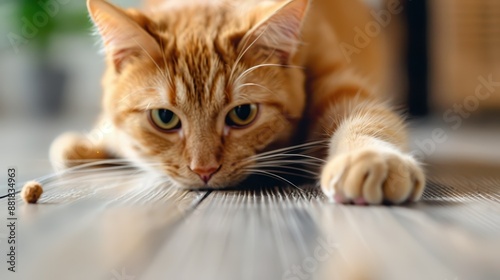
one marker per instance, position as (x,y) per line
(263,186)
(261,183)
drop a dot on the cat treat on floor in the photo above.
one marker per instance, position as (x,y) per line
(31,192)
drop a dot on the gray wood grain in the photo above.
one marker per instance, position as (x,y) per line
(97,225)
(89,224)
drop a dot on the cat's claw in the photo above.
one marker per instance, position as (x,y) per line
(372,176)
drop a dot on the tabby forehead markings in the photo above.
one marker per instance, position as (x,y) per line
(201,78)
(180,93)
(319,100)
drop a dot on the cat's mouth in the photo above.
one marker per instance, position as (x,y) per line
(218,180)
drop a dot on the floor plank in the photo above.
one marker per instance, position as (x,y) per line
(97,225)
(90,224)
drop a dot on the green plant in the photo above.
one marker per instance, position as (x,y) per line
(49,17)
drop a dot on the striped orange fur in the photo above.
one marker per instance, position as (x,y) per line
(199,60)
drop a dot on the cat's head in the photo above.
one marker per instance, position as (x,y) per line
(197,90)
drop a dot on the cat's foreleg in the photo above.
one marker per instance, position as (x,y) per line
(367,159)
(73,148)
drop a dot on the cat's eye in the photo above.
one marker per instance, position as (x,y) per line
(165,119)
(242,115)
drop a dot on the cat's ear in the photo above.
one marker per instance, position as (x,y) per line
(280,30)
(123,37)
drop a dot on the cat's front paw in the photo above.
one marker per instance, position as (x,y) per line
(372,176)
(71,149)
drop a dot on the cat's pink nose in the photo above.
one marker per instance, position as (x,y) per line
(205,172)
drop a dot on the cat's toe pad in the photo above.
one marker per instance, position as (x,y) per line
(370,176)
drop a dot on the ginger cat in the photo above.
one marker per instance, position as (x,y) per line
(205,92)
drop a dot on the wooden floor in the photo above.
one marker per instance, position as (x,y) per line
(118,224)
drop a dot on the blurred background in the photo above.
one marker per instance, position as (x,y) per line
(438,54)
(50,70)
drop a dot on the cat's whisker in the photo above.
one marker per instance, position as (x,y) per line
(96,174)
(55,177)
(290,173)
(295,158)
(256,85)
(240,56)
(310,177)
(152,190)
(137,91)
(289,156)
(272,175)
(275,176)
(91,163)
(286,167)
(90,169)
(287,161)
(104,161)
(291,148)
(253,68)
(162,72)
(93,179)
